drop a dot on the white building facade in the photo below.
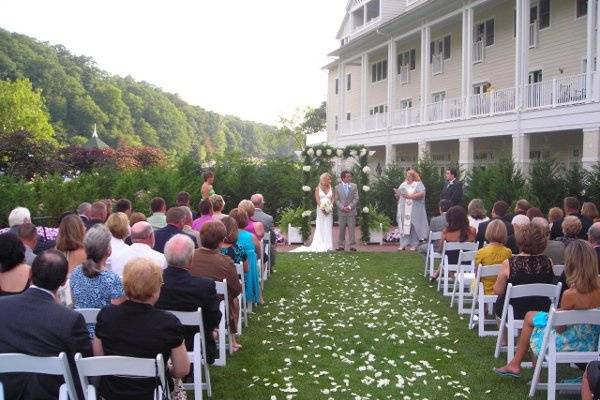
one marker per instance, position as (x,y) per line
(468,80)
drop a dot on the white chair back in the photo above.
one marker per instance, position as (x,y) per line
(447,268)
(558,269)
(480,299)
(17,362)
(243,315)
(431,254)
(89,314)
(122,366)
(221,287)
(464,277)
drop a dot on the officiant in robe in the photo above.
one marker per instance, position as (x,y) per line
(411,216)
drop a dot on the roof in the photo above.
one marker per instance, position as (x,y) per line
(95,142)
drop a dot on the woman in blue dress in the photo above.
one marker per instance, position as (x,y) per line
(251,246)
(581,269)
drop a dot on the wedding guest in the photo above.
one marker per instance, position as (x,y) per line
(495,252)
(207,189)
(255,228)
(218,205)
(136,217)
(571,230)
(555,250)
(33,323)
(14,272)
(187,225)
(590,385)
(452,190)
(136,328)
(554,214)
(534,212)
(183,292)
(250,245)
(476,213)
(158,219)
(28,235)
(84,211)
(208,262)
(458,230)
(411,214)
(583,293)
(183,199)
(142,238)
(521,207)
(594,239)
(267,220)
(175,221)
(124,206)
(118,225)
(229,247)
(98,214)
(92,284)
(206,214)
(69,240)
(518,221)
(589,210)
(437,224)
(499,211)
(18,216)
(529,266)
(571,207)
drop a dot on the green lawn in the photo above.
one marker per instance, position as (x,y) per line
(360,326)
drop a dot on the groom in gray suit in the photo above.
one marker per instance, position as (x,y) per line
(346,195)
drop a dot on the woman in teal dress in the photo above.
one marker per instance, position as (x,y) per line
(581,269)
(248,243)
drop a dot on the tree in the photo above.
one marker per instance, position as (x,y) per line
(22,155)
(22,108)
(315,119)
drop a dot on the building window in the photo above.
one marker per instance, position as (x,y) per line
(348,116)
(535,76)
(484,32)
(348,82)
(535,155)
(581,8)
(380,109)
(405,104)
(407,58)
(480,88)
(379,71)
(544,17)
(337,85)
(441,46)
(437,97)
(336,123)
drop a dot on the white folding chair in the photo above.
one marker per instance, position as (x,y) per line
(558,270)
(432,255)
(122,366)
(447,268)
(243,316)
(89,314)
(512,325)
(198,354)
(480,300)
(463,279)
(266,243)
(549,356)
(221,361)
(17,362)
(1,391)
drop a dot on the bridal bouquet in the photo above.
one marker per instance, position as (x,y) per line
(326,207)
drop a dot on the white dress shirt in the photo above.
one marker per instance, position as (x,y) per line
(119,256)
(142,250)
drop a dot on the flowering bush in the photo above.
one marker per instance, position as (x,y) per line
(366,188)
(306,188)
(306,168)
(365,210)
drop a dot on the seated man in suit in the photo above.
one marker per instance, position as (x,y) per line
(176,217)
(437,224)
(499,211)
(571,207)
(33,323)
(183,292)
(267,221)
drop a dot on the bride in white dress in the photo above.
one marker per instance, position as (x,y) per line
(323,237)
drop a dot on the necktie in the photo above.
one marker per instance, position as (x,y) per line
(346,189)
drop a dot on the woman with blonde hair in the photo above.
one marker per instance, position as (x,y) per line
(411,215)
(495,252)
(118,225)
(476,213)
(218,206)
(581,270)
(554,214)
(589,209)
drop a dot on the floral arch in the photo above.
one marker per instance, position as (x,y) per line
(312,156)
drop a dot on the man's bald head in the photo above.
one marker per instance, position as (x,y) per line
(258,200)
(141,232)
(179,251)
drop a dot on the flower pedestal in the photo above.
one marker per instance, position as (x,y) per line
(376,235)
(293,235)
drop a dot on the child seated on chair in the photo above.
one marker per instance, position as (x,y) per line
(493,253)
(581,268)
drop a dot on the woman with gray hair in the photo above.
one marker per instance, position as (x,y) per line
(92,285)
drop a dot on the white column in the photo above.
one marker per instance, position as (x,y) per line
(591,147)
(391,81)
(590,47)
(466,153)
(363,87)
(522,51)
(467,58)
(342,123)
(596,78)
(425,55)
(520,151)
(423,149)
(390,154)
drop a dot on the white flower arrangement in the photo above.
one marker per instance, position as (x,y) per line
(306,188)
(326,207)
(306,168)
(366,169)
(366,188)
(306,214)
(353,153)
(328,152)
(319,153)
(339,152)
(310,152)
(365,210)
(363,152)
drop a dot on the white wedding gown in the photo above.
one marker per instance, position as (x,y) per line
(323,237)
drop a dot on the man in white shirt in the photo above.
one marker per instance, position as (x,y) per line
(142,238)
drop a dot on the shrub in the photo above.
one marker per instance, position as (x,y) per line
(433,181)
(383,190)
(546,184)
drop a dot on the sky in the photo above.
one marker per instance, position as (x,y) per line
(258,60)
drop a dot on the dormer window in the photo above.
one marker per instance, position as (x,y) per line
(372,10)
(364,12)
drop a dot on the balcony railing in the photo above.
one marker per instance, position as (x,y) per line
(437,64)
(404,74)
(478,51)
(554,93)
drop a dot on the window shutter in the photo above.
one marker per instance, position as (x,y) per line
(349,83)
(373,72)
(431,52)
(447,47)
(398,62)
(489,32)
(544,14)
(337,85)
(413,56)
(384,67)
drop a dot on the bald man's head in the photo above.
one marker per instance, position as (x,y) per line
(141,232)
(258,200)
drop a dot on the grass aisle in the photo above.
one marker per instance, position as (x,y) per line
(368,326)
